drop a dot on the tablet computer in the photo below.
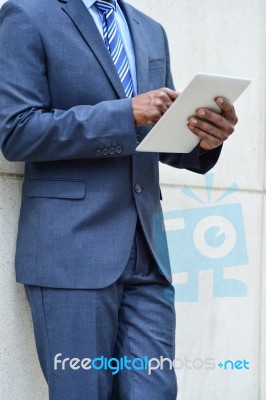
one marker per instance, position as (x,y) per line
(171,134)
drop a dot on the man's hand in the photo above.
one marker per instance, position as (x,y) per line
(212,128)
(149,107)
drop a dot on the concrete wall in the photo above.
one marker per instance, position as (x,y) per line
(224,37)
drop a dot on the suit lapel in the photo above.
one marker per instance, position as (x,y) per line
(140,46)
(83,20)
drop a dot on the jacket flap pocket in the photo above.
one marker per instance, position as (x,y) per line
(54,188)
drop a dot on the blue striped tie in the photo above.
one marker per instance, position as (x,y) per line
(114,43)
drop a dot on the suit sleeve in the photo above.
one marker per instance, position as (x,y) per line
(199,160)
(30,129)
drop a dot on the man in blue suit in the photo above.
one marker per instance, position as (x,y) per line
(81,83)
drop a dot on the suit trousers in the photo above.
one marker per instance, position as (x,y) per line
(96,344)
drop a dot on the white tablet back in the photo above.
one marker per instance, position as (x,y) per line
(171,134)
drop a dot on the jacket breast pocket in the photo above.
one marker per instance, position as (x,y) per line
(157,73)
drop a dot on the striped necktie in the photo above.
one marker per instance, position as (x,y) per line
(114,43)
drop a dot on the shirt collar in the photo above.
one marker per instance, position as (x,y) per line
(89,3)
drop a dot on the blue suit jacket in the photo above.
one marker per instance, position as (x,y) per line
(63,111)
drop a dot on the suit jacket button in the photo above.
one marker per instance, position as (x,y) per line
(137,188)
(98,153)
(118,149)
(112,150)
(105,152)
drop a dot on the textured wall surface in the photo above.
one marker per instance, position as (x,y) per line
(225,37)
